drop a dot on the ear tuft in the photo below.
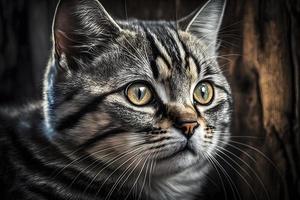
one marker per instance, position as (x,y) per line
(79,25)
(205,23)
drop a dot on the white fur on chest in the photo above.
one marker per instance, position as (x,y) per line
(184,186)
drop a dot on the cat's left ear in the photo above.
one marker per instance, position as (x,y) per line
(79,27)
(205,23)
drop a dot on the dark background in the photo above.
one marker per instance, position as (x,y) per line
(260,49)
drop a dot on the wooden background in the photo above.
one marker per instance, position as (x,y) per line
(261,53)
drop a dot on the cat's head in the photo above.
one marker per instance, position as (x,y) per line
(136,91)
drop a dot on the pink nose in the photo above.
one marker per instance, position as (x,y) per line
(187,128)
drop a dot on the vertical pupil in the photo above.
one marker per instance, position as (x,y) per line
(140,92)
(204,91)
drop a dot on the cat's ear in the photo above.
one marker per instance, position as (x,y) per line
(80,25)
(205,23)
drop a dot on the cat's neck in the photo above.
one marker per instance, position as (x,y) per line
(181,185)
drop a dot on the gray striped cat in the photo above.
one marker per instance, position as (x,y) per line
(132,109)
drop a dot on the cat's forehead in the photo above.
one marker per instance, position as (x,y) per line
(173,54)
(156,52)
(167,46)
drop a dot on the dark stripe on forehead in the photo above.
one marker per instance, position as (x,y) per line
(156,53)
(189,54)
(168,42)
(174,48)
(209,70)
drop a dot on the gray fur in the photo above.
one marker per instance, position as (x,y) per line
(95,56)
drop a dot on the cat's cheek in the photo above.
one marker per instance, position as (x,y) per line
(121,144)
(203,141)
(196,141)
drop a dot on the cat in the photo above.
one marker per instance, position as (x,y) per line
(131,110)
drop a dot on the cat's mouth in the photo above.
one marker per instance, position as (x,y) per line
(174,161)
(184,149)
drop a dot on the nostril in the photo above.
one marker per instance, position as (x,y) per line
(187,127)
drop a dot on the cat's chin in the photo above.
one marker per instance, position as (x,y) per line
(176,163)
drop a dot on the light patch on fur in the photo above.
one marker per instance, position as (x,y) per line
(165,124)
(192,70)
(176,188)
(124,34)
(120,151)
(115,98)
(162,92)
(98,89)
(162,49)
(164,72)
(90,125)
(196,46)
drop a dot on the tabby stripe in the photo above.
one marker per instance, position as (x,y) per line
(101,137)
(209,71)
(158,49)
(158,146)
(155,53)
(29,158)
(29,163)
(158,140)
(161,48)
(175,50)
(92,106)
(182,51)
(224,89)
(190,55)
(70,95)
(216,108)
(48,192)
(67,97)
(163,145)
(154,69)
(131,110)
(32,159)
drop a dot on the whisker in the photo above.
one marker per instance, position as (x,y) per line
(106,155)
(231,182)
(144,181)
(121,176)
(236,171)
(137,178)
(219,175)
(257,151)
(245,163)
(109,163)
(81,158)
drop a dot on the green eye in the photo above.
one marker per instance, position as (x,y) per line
(204,93)
(139,94)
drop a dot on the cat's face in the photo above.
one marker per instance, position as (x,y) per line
(136,94)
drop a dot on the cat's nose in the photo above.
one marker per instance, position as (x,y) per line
(187,127)
(184,118)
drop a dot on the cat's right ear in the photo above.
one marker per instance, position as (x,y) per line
(80,26)
(205,23)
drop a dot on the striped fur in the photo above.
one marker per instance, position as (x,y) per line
(87,141)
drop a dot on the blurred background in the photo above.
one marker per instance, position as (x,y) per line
(260,42)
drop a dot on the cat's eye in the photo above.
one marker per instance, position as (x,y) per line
(139,94)
(204,93)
